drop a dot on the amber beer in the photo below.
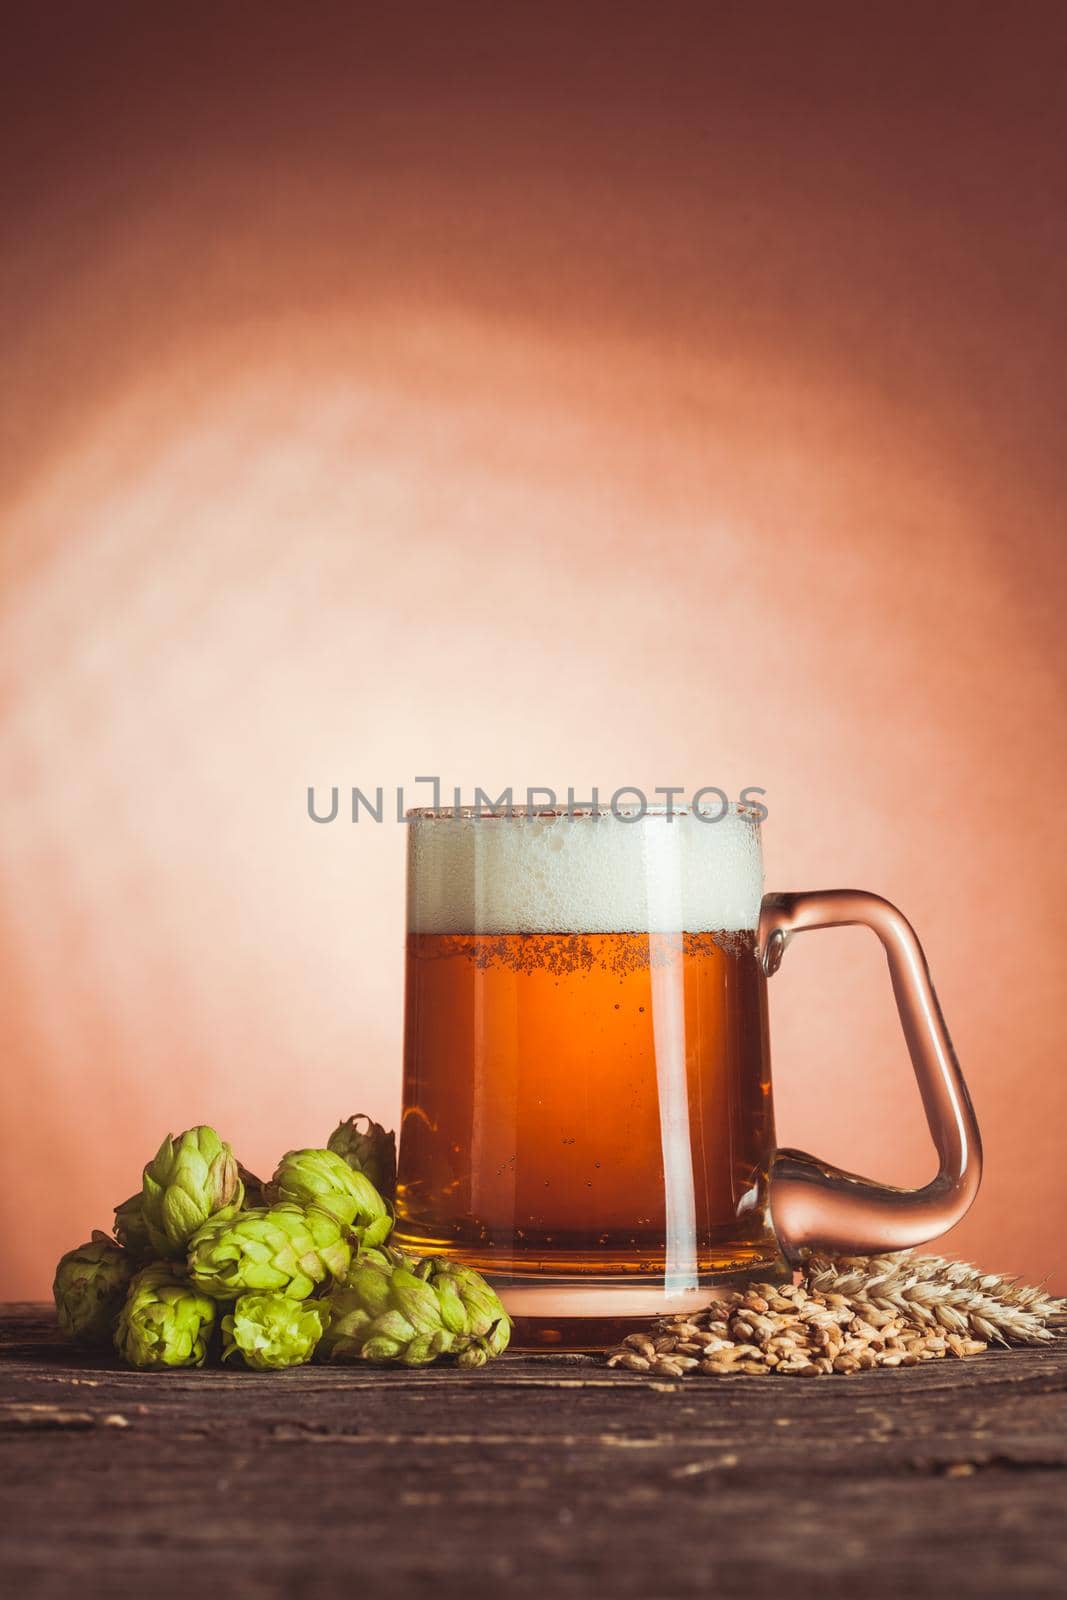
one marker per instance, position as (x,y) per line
(586,1083)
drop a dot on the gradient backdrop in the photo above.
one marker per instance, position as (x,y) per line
(525,394)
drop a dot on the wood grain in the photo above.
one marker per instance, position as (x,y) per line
(546,1477)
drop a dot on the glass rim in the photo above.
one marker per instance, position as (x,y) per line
(631,812)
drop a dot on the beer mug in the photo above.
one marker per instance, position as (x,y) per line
(587,1111)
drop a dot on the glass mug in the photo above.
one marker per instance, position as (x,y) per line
(587,1112)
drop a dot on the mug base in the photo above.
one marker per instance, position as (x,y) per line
(593,1314)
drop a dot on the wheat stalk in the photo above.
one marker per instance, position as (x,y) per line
(932,1290)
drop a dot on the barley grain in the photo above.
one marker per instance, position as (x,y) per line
(848,1315)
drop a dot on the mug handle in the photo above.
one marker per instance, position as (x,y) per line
(816,1206)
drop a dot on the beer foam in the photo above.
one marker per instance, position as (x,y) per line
(585,873)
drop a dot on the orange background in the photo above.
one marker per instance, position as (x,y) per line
(525,394)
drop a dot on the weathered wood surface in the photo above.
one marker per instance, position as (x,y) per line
(546,1477)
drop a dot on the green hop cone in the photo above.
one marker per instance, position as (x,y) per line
(271,1331)
(391,1309)
(165,1322)
(324,1179)
(191,1179)
(131,1230)
(90,1286)
(369,1149)
(489,1323)
(286,1249)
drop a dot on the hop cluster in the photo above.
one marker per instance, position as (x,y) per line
(206,1255)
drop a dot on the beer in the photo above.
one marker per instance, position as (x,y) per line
(586,1080)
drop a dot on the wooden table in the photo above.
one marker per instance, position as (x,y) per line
(546,1477)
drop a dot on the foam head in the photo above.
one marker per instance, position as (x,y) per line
(586,873)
